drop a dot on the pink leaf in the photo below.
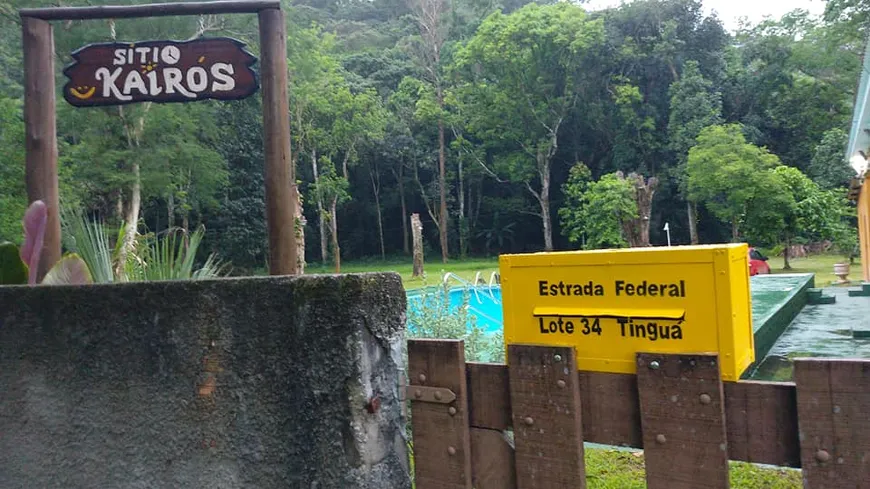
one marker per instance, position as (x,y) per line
(35,221)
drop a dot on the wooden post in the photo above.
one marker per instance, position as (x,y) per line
(832,400)
(41,132)
(439,420)
(279,173)
(683,418)
(548,430)
(417,238)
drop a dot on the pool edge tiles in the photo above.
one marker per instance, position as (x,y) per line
(788,301)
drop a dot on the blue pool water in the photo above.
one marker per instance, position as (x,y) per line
(484,304)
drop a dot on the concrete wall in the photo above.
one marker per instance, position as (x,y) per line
(239,383)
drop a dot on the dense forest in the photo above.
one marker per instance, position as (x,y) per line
(508,126)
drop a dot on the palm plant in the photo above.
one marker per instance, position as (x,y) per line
(152,257)
(171,258)
(90,241)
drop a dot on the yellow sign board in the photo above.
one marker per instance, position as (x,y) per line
(612,304)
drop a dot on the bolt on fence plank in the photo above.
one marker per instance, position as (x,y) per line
(492,460)
(832,402)
(548,432)
(762,423)
(441,435)
(683,420)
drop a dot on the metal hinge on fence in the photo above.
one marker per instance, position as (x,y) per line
(438,395)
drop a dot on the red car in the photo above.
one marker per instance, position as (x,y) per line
(757,263)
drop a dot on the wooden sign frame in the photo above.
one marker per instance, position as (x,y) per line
(40,114)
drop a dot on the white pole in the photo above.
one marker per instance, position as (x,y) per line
(668,230)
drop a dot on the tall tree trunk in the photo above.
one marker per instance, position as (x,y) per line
(299,222)
(417,231)
(462,230)
(131,223)
(405,238)
(333,221)
(692,211)
(735,235)
(299,218)
(185,229)
(344,161)
(119,205)
(442,183)
(786,254)
(376,188)
(321,218)
(170,210)
(637,230)
(544,199)
(475,215)
(133,132)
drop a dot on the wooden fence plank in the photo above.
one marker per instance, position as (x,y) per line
(683,420)
(442,445)
(492,460)
(489,399)
(762,423)
(611,411)
(833,398)
(545,398)
(762,416)
(611,414)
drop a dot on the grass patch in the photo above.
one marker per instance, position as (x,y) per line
(618,469)
(821,265)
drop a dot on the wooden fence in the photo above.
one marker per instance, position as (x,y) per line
(688,422)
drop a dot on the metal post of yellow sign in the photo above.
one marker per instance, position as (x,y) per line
(611,304)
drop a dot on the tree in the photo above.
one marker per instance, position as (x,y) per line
(855,14)
(332,189)
(694,106)
(332,121)
(430,15)
(238,228)
(636,229)
(595,213)
(829,168)
(808,213)
(527,74)
(13,195)
(730,176)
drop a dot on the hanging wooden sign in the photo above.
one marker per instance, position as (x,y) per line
(160,71)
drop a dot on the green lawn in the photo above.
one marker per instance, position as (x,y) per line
(617,469)
(821,265)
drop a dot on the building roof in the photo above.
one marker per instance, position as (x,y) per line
(859,134)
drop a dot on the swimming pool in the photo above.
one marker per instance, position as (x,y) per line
(484,304)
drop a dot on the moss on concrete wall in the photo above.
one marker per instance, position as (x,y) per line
(237,383)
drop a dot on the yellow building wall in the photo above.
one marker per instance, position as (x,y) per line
(864,228)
